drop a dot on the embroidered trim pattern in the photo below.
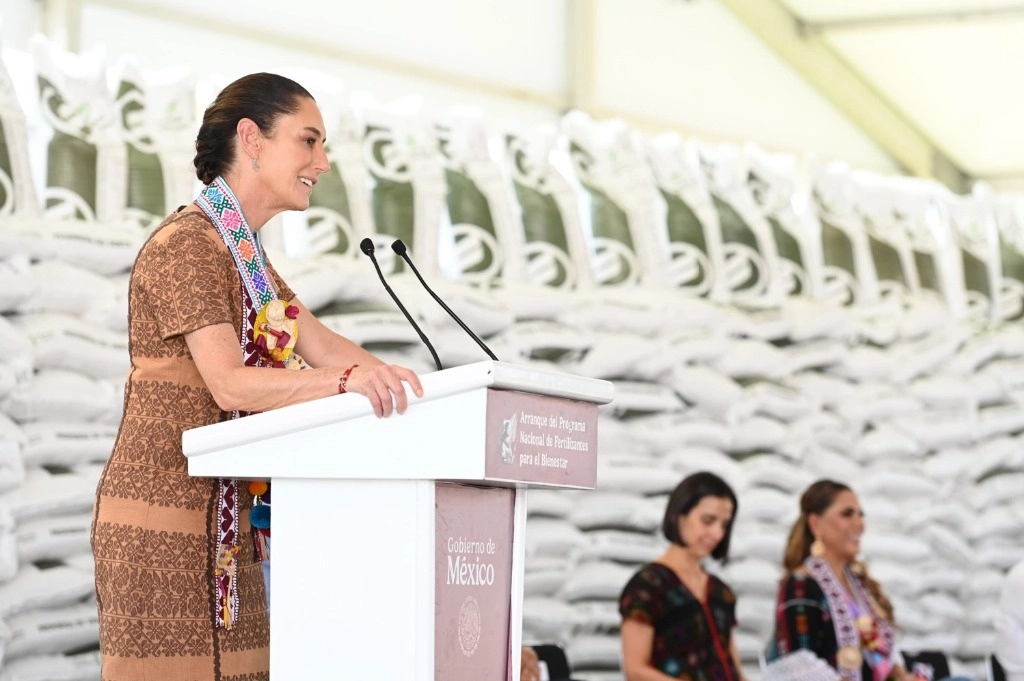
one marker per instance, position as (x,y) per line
(847,634)
(220,205)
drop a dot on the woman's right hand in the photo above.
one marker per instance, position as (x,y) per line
(529,665)
(384,386)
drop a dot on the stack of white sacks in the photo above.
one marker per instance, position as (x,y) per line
(770,330)
(63,316)
(912,395)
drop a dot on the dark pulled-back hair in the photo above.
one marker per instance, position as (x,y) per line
(261,97)
(686,496)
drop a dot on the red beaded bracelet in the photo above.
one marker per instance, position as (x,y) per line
(343,381)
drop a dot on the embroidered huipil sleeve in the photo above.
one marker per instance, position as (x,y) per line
(802,621)
(188,278)
(641,599)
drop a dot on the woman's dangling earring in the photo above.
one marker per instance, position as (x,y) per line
(255,164)
(817,548)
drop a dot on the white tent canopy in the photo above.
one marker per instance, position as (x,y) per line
(929,87)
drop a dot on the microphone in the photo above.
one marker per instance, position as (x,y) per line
(398,246)
(366,246)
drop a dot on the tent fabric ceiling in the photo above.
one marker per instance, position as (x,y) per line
(955,68)
(925,10)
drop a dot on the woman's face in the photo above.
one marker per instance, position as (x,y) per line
(292,159)
(840,527)
(703,528)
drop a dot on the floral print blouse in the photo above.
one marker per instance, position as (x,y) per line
(691,637)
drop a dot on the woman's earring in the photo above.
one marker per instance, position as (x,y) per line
(817,548)
(255,164)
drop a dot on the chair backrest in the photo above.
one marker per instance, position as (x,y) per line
(936,659)
(994,670)
(553,657)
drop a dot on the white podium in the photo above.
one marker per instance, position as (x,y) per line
(398,544)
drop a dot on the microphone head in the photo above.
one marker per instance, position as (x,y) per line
(366,246)
(398,246)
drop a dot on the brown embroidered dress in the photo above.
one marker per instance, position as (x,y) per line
(154,534)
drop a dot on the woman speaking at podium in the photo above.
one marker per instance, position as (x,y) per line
(213,332)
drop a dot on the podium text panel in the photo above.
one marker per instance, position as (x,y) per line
(536,438)
(473,582)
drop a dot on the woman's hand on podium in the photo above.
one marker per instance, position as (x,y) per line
(384,386)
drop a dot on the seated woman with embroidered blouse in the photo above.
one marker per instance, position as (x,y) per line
(828,603)
(677,619)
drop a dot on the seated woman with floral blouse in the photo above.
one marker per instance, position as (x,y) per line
(677,619)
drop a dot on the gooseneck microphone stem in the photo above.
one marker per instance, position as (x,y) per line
(398,246)
(366,246)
